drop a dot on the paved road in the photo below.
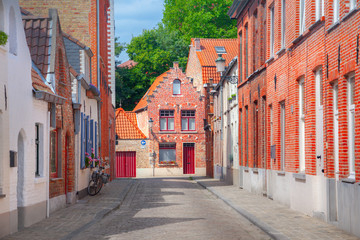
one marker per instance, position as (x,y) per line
(164,208)
(172,209)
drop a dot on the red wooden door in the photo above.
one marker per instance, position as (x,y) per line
(125,164)
(189,158)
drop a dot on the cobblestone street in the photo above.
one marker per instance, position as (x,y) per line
(167,208)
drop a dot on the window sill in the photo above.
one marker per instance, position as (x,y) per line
(165,132)
(40,179)
(280,173)
(55,179)
(190,131)
(269,60)
(298,39)
(348,180)
(281,51)
(300,176)
(334,26)
(168,165)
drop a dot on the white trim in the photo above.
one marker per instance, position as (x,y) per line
(351,124)
(302,166)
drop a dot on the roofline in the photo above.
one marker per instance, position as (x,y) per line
(231,65)
(79,43)
(49,97)
(241,6)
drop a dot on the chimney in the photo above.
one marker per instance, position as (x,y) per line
(197,44)
(176,65)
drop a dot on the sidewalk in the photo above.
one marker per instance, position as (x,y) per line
(72,220)
(275,219)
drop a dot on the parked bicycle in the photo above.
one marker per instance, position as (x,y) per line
(98,179)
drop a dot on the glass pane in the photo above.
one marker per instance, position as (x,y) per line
(176,87)
(53,151)
(192,124)
(166,155)
(162,123)
(336,91)
(352,90)
(184,124)
(170,124)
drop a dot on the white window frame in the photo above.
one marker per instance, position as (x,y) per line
(177,91)
(352,5)
(336,128)
(336,11)
(283,23)
(351,124)
(302,166)
(282,135)
(272,30)
(319,12)
(302,17)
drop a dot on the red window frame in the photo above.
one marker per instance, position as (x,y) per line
(54,174)
(166,114)
(188,114)
(179,82)
(167,146)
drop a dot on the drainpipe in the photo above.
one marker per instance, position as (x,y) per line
(221,129)
(98,68)
(48,172)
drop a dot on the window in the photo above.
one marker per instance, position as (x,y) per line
(319,80)
(283,22)
(167,153)
(336,8)
(54,153)
(255,41)
(241,57)
(2,16)
(167,120)
(12,32)
(241,138)
(271,126)
(352,4)
(302,17)
(39,150)
(272,30)
(246,50)
(247,136)
(301,126)
(176,87)
(188,120)
(319,9)
(351,125)
(282,135)
(256,135)
(336,127)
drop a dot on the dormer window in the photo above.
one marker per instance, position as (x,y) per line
(176,87)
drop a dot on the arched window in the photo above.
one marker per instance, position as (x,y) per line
(176,87)
(2,15)
(12,32)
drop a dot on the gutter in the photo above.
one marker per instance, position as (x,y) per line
(48,97)
(98,69)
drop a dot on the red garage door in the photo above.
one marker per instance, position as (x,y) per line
(125,164)
(189,158)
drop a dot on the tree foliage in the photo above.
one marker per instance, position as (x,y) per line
(155,50)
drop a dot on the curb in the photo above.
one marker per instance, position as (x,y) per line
(273,233)
(101,214)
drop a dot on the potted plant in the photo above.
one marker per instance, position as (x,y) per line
(233,96)
(90,160)
(230,99)
(3,38)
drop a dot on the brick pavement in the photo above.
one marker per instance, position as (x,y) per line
(72,220)
(277,220)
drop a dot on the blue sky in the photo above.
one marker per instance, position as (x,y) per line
(132,16)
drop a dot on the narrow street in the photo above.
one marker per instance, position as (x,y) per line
(164,208)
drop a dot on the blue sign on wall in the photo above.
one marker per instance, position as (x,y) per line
(143,142)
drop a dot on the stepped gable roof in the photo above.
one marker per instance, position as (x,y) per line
(37,32)
(208,55)
(126,127)
(143,101)
(128,64)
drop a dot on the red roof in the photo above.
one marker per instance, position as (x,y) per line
(143,101)
(208,55)
(126,125)
(127,64)
(37,32)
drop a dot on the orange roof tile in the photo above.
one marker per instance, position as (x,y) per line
(127,64)
(208,55)
(143,101)
(38,84)
(125,125)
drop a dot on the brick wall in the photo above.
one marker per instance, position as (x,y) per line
(142,154)
(190,99)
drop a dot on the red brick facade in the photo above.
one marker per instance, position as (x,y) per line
(162,98)
(288,86)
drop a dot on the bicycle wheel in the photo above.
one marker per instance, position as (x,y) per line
(92,188)
(99,185)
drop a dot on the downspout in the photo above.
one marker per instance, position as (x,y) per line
(221,129)
(98,69)
(48,172)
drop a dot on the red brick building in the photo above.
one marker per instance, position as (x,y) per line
(172,114)
(88,21)
(47,51)
(301,105)
(201,68)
